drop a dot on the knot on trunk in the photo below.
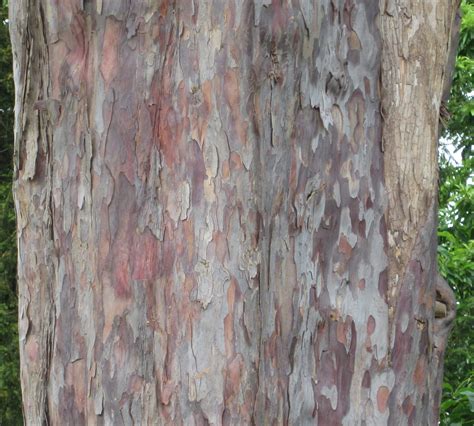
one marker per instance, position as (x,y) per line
(445,312)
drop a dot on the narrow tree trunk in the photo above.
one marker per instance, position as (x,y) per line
(227,210)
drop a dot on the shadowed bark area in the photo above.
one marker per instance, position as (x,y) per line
(226,210)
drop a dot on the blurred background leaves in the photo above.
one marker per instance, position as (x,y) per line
(456,229)
(10,394)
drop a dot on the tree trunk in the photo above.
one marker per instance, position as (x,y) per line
(227,210)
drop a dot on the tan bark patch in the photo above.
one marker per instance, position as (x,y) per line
(382,398)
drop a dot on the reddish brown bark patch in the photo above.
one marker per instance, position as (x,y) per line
(112,36)
(370,325)
(382,398)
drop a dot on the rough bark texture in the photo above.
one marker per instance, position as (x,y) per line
(417,42)
(227,210)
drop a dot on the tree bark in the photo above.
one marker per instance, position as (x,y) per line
(227,210)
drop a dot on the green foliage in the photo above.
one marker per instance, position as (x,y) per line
(456,231)
(456,263)
(6,97)
(458,404)
(10,394)
(461,104)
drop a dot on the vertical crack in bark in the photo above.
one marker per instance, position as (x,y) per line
(269,254)
(263,267)
(272,143)
(49,166)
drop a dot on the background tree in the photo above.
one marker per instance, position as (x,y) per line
(10,395)
(154,283)
(456,230)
